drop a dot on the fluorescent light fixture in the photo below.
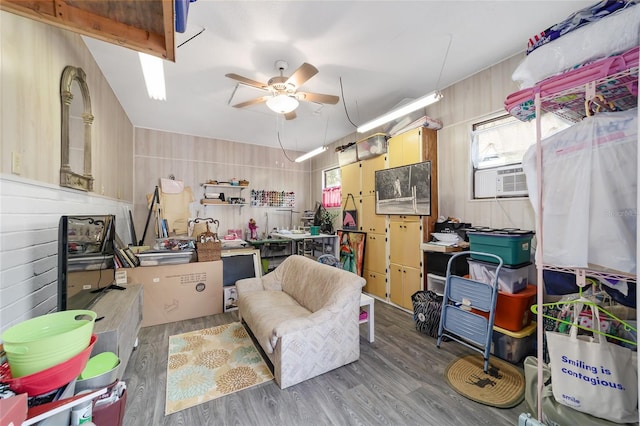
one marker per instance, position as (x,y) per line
(153,71)
(311,154)
(282,104)
(399,112)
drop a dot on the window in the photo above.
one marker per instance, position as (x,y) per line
(503,140)
(331,188)
(331,178)
(497,147)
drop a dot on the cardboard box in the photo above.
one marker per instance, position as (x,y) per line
(178,292)
(84,281)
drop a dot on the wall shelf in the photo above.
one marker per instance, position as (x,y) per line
(230,192)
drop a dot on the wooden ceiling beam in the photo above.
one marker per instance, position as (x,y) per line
(110,29)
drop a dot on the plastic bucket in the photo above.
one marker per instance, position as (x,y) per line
(99,364)
(42,342)
(101,380)
(51,378)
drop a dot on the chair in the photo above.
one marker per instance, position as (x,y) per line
(331,260)
(468,309)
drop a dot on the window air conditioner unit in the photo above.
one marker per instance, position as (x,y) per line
(506,181)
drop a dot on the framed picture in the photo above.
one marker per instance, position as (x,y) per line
(352,250)
(230,298)
(404,190)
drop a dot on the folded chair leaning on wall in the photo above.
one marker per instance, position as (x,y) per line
(468,309)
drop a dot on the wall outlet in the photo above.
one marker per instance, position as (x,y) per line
(16,163)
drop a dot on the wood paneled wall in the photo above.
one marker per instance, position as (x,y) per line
(463,104)
(195,160)
(32,57)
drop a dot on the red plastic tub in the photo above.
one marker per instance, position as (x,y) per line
(513,311)
(52,378)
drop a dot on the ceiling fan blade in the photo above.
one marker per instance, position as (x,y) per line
(302,74)
(252,102)
(247,81)
(318,97)
(290,115)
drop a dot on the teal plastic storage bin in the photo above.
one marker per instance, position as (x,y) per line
(513,248)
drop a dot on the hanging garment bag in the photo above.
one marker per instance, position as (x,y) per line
(350,217)
(591,375)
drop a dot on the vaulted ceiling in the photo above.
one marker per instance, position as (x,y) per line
(372,54)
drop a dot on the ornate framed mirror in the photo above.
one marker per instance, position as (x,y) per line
(75,170)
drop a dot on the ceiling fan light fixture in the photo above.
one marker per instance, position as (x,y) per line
(399,112)
(282,104)
(311,154)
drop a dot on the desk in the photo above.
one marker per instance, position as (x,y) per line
(272,251)
(311,245)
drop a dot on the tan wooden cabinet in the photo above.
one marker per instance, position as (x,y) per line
(352,184)
(369,168)
(376,283)
(375,258)
(372,222)
(404,282)
(405,258)
(393,242)
(406,148)
(375,254)
(350,177)
(405,238)
(402,151)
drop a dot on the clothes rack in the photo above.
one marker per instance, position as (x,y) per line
(592,305)
(589,89)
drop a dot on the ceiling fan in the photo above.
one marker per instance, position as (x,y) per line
(284,96)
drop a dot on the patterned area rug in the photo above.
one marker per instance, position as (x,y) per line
(501,387)
(207,364)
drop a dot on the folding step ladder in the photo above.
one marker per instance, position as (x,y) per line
(468,309)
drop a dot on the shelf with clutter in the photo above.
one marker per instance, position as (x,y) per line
(596,158)
(227,193)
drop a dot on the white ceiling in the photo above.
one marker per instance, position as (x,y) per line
(383,51)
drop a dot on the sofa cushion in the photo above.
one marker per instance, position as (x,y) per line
(315,285)
(268,310)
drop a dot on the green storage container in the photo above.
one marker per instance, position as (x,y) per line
(513,248)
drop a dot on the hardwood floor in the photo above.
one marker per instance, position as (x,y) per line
(397,381)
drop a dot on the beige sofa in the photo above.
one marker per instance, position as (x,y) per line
(304,315)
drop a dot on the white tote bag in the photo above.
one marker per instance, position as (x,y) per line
(592,375)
